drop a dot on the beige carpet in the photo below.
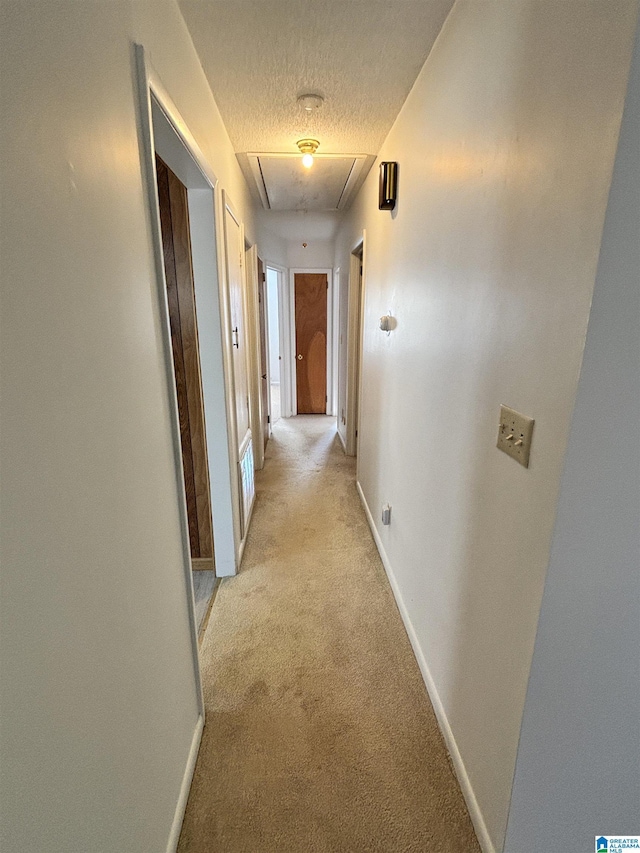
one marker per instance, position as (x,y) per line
(320,737)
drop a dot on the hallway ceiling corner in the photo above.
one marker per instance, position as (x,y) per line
(362,56)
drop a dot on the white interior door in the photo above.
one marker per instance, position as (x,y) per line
(235,256)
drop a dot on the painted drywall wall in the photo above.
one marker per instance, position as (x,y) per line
(317,254)
(99,694)
(272,244)
(505,148)
(578,768)
(281,236)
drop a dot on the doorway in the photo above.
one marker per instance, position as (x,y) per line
(173,159)
(354,346)
(183,322)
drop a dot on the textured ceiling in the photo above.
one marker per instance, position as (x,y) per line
(289,186)
(363,56)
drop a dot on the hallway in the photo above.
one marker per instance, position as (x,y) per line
(319,734)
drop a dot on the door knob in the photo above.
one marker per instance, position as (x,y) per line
(299,358)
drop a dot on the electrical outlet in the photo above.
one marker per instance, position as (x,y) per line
(514,435)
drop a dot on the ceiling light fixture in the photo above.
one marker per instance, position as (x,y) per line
(308,148)
(310,102)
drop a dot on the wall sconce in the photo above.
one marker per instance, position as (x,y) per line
(388,186)
(308,148)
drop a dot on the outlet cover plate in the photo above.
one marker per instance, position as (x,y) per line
(514,435)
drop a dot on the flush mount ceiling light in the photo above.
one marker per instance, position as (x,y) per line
(308,148)
(311,102)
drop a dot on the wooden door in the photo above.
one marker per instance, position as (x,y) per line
(174,219)
(264,353)
(311,342)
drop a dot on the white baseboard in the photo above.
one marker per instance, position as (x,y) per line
(178,817)
(344,446)
(475,813)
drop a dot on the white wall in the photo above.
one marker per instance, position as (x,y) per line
(281,235)
(272,244)
(578,768)
(99,698)
(505,148)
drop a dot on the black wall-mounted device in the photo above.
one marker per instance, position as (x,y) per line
(388,185)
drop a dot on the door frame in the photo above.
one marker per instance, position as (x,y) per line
(175,202)
(237,444)
(253,353)
(290,344)
(163,130)
(335,310)
(263,354)
(284,342)
(355,326)
(158,115)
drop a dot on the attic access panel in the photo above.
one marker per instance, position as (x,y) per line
(284,184)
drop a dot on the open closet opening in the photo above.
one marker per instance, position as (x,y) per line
(183,322)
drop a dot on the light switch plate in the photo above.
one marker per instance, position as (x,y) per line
(514,434)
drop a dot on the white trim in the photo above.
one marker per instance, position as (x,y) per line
(149,81)
(214,381)
(185,787)
(355,326)
(267,332)
(185,156)
(253,354)
(263,312)
(330,331)
(285,343)
(289,344)
(475,812)
(344,446)
(360,349)
(148,86)
(335,328)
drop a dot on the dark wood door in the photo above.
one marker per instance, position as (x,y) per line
(311,342)
(264,354)
(174,219)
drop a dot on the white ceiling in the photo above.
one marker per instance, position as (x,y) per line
(284,184)
(363,56)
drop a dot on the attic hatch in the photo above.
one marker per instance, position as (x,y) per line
(283,183)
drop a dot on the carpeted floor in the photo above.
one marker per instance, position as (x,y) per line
(320,737)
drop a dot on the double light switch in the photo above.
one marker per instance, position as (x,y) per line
(514,434)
